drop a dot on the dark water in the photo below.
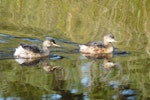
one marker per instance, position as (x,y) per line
(66,74)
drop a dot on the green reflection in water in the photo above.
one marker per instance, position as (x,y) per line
(80,22)
(80,75)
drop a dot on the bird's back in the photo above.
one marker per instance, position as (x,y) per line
(32,48)
(98,44)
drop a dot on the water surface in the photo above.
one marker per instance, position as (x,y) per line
(66,74)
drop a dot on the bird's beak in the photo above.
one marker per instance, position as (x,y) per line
(114,41)
(56,45)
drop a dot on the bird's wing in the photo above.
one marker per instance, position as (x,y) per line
(32,48)
(99,44)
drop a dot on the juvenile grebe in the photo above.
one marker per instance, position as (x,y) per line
(99,47)
(32,51)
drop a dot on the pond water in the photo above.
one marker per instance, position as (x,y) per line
(67,74)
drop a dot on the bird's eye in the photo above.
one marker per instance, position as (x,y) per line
(112,37)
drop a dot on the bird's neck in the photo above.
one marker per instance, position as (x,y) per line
(105,42)
(109,47)
(46,51)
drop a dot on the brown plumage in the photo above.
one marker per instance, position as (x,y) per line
(99,47)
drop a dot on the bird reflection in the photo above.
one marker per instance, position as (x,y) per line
(44,62)
(57,73)
(86,67)
(48,66)
(27,62)
(97,56)
(108,63)
(107,59)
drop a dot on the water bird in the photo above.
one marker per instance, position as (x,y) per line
(33,51)
(99,47)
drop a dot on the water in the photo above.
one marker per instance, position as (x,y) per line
(66,74)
